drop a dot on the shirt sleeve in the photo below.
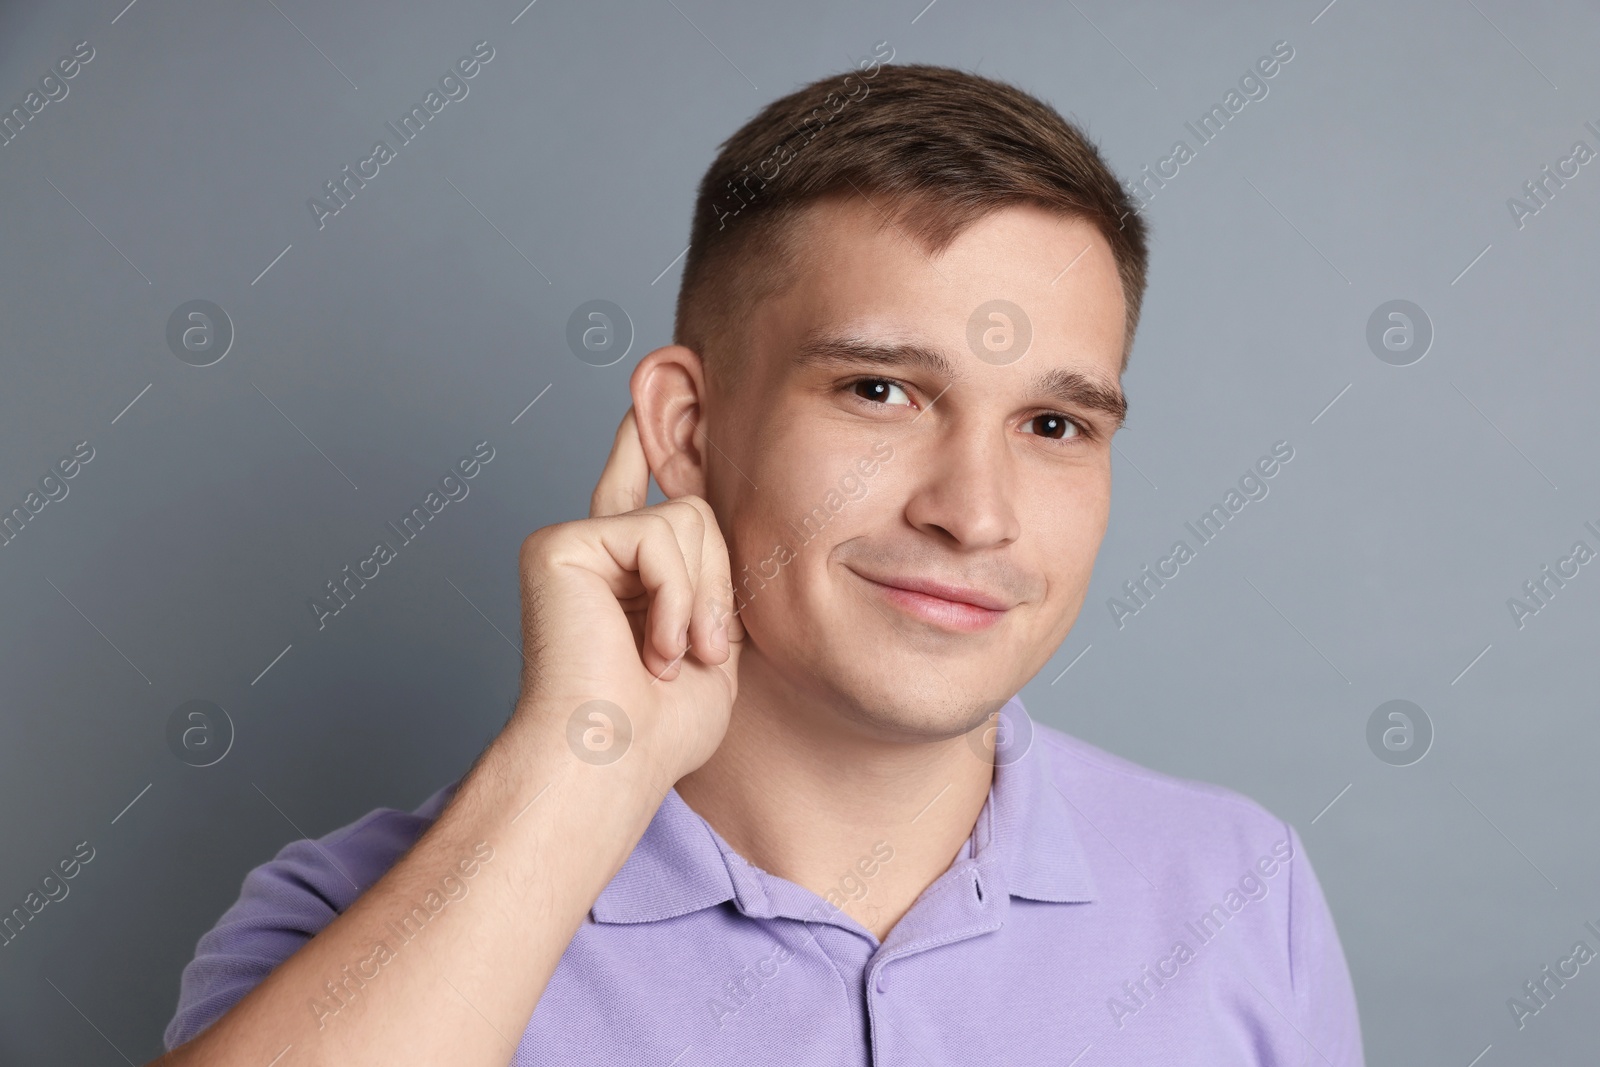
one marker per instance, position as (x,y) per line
(1324,998)
(284,903)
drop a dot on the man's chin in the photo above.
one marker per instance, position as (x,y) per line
(885,688)
(906,704)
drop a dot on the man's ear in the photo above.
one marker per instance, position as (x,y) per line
(668,389)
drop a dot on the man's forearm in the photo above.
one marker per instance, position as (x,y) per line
(462,991)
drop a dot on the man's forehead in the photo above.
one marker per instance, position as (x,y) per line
(853,264)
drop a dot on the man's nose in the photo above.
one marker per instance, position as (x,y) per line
(967,485)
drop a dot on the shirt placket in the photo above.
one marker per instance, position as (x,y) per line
(969,900)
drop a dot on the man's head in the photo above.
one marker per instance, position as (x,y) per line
(876,346)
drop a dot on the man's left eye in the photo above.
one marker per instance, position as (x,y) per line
(1058,427)
(881,390)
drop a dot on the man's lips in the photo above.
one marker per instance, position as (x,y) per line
(950,606)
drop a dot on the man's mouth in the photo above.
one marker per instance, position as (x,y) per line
(951,607)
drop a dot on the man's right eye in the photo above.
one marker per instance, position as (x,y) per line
(879,390)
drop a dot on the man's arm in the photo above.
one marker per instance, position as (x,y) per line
(613,607)
(463,991)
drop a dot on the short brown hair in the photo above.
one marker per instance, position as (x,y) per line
(943,147)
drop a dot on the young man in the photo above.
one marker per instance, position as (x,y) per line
(768,794)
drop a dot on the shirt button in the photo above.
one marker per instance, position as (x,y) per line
(883,983)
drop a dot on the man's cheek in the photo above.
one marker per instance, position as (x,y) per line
(1073,539)
(1063,614)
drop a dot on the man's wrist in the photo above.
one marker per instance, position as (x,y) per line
(539,753)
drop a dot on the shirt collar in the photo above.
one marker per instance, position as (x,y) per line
(1024,832)
(1029,820)
(676,868)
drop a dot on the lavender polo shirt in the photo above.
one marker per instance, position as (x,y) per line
(1099,914)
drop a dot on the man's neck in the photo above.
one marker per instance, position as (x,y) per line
(809,797)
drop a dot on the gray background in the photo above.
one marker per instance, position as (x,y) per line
(430,312)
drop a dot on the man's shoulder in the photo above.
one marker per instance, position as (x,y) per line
(1183,819)
(368,847)
(345,862)
(286,901)
(386,833)
(1210,872)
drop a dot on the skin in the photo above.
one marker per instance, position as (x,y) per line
(852,717)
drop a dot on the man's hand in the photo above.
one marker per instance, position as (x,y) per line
(634,606)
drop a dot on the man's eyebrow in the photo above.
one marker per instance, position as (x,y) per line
(1068,387)
(841,352)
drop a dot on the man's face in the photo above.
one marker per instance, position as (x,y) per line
(845,469)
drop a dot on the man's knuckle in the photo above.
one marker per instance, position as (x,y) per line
(688,507)
(702,508)
(547,546)
(533,545)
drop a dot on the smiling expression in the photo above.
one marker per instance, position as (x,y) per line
(912,522)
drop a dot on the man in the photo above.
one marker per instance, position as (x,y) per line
(768,795)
